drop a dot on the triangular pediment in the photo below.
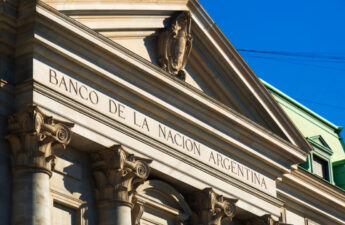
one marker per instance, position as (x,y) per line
(213,67)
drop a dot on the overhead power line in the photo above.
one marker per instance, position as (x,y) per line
(340,57)
(322,104)
(318,60)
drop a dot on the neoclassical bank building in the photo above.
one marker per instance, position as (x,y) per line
(141,112)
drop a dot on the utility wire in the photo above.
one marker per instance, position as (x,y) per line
(323,104)
(297,62)
(304,59)
(296,54)
(300,58)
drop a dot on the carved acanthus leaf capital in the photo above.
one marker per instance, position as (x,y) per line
(175,45)
(213,208)
(33,136)
(117,174)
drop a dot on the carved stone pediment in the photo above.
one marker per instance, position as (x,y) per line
(33,136)
(175,45)
(212,208)
(117,174)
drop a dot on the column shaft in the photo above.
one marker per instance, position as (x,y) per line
(115,215)
(31,200)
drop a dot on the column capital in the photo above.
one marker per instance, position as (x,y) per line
(213,208)
(117,174)
(33,136)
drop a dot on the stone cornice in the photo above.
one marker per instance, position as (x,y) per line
(315,185)
(33,136)
(302,183)
(136,5)
(185,91)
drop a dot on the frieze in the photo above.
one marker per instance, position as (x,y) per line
(129,116)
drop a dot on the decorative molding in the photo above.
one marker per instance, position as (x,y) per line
(117,174)
(137,213)
(263,220)
(212,208)
(33,136)
(175,45)
(324,147)
(167,193)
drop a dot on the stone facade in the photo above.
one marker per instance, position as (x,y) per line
(140,113)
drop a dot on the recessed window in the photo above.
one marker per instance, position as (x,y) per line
(320,167)
(63,215)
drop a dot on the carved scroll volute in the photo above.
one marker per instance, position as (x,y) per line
(175,45)
(33,136)
(117,174)
(212,208)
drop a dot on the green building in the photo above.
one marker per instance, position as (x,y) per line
(327,159)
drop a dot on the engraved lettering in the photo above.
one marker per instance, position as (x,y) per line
(161,130)
(170,137)
(220,159)
(82,87)
(212,158)
(145,124)
(178,143)
(263,183)
(240,170)
(121,111)
(233,167)
(75,87)
(196,147)
(135,119)
(226,163)
(52,77)
(189,145)
(256,178)
(93,97)
(63,82)
(112,106)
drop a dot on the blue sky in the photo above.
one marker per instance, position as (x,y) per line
(311,32)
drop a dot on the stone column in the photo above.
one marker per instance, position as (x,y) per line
(33,136)
(211,208)
(117,174)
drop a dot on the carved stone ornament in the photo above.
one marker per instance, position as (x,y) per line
(117,174)
(263,220)
(212,208)
(33,136)
(175,45)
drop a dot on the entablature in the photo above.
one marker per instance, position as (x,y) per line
(299,188)
(108,65)
(83,76)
